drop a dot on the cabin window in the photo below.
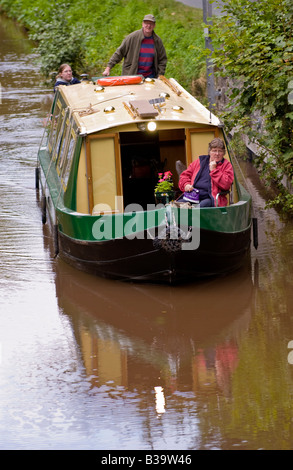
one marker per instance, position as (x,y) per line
(67,161)
(55,126)
(63,147)
(59,136)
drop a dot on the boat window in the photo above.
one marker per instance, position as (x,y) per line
(63,146)
(68,161)
(59,136)
(55,126)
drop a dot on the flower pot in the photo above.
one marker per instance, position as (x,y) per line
(164,197)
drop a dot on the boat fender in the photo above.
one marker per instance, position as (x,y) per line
(255,232)
(37,177)
(43,208)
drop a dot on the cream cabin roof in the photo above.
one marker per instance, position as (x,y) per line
(96,110)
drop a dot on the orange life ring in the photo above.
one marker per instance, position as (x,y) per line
(122,80)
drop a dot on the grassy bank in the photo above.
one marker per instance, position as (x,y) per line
(85,33)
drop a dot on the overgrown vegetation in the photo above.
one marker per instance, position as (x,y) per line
(85,33)
(253,46)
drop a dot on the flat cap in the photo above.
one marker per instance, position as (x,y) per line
(149,18)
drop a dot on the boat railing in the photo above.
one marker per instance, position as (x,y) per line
(228,193)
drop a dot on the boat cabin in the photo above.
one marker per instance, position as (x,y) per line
(104,145)
(109,143)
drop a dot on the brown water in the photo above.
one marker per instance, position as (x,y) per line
(87,363)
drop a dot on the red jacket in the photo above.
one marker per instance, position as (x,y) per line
(221,178)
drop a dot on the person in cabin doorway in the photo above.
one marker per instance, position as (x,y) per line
(64,76)
(207,176)
(143,52)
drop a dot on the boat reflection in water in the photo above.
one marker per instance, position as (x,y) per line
(180,338)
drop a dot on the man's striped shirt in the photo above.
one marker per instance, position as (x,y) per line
(146,57)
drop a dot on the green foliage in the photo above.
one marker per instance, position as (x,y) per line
(53,48)
(85,33)
(283,202)
(273,176)
(253,46)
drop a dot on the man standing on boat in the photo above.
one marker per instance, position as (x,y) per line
(143,52)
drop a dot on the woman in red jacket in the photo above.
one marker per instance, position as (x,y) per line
(209,174)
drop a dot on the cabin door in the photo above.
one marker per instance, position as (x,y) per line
(103,173)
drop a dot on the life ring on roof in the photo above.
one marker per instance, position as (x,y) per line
(122,80)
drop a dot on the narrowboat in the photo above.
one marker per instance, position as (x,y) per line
(105,142)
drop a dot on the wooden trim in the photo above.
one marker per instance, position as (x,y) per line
(131,111)
(118,166)
(204,129)
(170,85)
(188,148)
(100,136)
(89,174)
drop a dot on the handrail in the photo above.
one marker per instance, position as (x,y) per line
(170,85)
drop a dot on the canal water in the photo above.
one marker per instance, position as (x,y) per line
(87,363)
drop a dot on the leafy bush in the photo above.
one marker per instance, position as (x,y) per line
(253,46)
(53,48)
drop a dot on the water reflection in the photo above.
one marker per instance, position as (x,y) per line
(180,339)
(161,352)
